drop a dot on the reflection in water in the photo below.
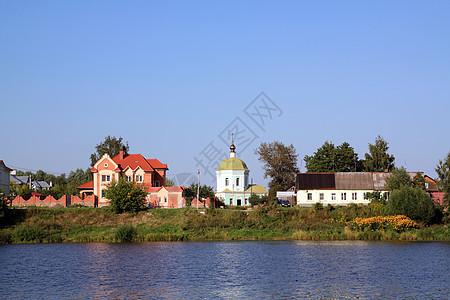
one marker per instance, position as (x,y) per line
(225,270)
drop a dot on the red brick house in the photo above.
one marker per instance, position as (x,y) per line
(132,167)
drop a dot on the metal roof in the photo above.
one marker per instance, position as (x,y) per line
(354,181)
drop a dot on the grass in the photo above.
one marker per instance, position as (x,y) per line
(73,224)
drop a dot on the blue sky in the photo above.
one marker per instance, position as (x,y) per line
(170,76)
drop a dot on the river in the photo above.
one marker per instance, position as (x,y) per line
(226,270)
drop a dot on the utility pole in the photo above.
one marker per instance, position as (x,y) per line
(198,186)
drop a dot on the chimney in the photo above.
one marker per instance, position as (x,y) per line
(121,153)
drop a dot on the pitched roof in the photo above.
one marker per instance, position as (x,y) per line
(354,181)
(19,179)
(256,189)
(2,163)
(134,161)
(174,188)
(87,186)
(311,181)
(156,164)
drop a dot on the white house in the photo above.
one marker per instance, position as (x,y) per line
(4,177)
(341,188)
(233,186)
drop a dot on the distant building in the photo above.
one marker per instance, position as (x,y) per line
(341,188)
(4,178)
(233,186)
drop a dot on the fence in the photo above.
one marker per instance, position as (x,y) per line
(50,201)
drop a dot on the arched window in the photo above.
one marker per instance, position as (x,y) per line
(237,181)
(226,181)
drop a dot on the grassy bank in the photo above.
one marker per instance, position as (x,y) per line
(49,225)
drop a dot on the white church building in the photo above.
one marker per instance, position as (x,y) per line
(233,186)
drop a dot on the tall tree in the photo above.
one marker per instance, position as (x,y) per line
(329,158)
(280,164)
(378,160)
(443,172)
(398,179)
(110,145)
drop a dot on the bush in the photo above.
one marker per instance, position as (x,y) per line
(414,203)
(318,206)
(126,196)
(125,233)
(33,233)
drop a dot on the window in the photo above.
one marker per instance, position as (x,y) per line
(343,196)
(364,195)
(226,181)
(237,181)
(354,196)
(106,165)
(157,183)
(321,197)
(159,199)
(103,193)
(106,178)
(231,200)
(165,199)
(309,196)
(128,178)
(139,178)
(246,201)
(333,196)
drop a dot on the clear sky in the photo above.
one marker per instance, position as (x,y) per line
(172,77)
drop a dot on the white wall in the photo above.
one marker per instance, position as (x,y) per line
(302,197)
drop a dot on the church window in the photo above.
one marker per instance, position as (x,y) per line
(237,181)
(226,181)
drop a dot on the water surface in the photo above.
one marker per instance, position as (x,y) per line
(226,270)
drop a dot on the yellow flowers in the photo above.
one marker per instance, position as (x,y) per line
(398,223)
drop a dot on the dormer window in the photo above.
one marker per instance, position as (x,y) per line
(139,178)
(128,178)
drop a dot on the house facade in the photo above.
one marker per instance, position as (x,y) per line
(341,188)
(4,178)
(131,167)
(233,186)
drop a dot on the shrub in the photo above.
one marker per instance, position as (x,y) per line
(318,206)
(414,203)
(125,233)
(126,196)
(33,233)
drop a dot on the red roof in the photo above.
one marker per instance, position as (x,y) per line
(156,164)
(174,188)
(88,185)
(133,161)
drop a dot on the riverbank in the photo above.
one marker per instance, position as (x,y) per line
(61,225)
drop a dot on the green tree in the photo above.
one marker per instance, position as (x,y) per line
(419,181)
(126,196)
(398,179)
(376,197)
(205,191)
(256,200)
(169,182)
(378,160)
(110,145)
(329,158)
(280,164)
(443,172)
(414,203)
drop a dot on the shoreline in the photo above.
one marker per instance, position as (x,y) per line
(100,225)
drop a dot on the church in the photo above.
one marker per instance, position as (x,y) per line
(233,187)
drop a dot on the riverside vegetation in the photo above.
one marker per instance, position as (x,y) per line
(80,224)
